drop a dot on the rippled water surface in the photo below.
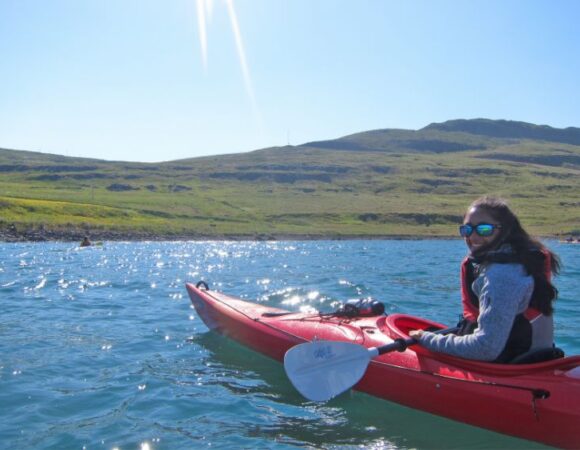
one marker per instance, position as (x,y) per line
(100,349)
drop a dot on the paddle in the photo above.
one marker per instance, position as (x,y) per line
(320,370)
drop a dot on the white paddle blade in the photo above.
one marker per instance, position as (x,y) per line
(321,370)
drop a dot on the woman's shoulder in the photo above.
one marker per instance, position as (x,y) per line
(505,272)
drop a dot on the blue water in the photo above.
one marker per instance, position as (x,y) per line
(100,349)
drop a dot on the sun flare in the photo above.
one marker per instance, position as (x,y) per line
(204,13)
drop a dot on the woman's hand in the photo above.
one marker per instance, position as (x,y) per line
(416,334)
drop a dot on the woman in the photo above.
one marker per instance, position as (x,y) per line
(507,294)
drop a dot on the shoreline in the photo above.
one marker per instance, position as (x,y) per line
(149,237)
(12,235)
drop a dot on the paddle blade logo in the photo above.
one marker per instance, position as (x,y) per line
(324,352)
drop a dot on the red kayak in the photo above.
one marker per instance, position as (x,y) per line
(539,402)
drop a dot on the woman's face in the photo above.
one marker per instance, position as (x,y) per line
(475,242)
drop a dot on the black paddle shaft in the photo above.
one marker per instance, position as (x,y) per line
(400,344)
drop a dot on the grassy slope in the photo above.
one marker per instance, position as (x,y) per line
(385,182)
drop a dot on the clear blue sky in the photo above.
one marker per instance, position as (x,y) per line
(130,79)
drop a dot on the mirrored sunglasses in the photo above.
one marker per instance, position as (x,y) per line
(482,229)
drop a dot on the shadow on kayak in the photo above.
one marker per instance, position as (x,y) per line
(352,419)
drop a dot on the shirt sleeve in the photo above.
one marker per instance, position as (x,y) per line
(504,292)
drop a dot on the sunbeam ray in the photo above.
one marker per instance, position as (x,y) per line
(209,9)
(201,20)
(204,13)
(240,47)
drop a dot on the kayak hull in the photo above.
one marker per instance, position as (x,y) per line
(539,402)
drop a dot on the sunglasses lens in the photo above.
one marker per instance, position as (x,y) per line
(465,230)
(484,229)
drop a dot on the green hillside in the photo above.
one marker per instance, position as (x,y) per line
(376,183)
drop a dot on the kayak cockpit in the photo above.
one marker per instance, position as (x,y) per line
(398,326)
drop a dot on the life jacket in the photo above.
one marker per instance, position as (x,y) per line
(520,338)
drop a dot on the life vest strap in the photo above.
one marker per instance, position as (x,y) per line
(532,313)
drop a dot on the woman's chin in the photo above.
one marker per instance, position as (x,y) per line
(479,249)
(475,248)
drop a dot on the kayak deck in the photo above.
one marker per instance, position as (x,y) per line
(534,401)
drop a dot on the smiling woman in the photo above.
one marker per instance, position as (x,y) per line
(507,292)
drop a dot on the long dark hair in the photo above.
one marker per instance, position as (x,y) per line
(528,251)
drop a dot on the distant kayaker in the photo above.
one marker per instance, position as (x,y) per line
(507,293)
(85,242)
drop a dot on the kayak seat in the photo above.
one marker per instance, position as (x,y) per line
(538,355)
